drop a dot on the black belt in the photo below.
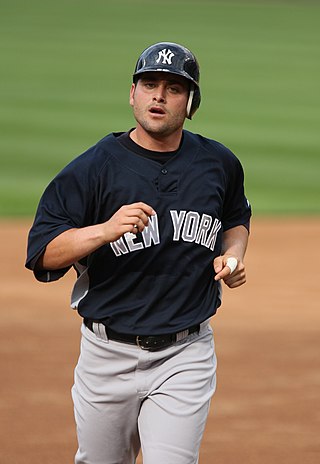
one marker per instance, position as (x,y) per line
(146,342)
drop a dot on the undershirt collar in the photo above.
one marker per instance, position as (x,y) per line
(160,157)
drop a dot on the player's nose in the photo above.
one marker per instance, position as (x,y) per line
(160,94)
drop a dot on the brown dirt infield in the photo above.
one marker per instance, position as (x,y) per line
(266,409)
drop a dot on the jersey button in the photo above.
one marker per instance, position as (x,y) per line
(164,171)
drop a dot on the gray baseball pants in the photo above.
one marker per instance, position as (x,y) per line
(125,397)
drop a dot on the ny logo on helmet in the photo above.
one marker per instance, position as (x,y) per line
(166,56)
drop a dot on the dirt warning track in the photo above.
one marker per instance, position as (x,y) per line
(267,334)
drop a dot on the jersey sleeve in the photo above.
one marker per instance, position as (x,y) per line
(236,208)
(65,204)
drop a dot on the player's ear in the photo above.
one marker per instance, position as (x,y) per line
(132,90)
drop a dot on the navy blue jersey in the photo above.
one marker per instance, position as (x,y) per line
(160,280)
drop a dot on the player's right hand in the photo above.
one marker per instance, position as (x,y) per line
(129,218)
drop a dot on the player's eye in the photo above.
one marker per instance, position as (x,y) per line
(174,89)
(149,85)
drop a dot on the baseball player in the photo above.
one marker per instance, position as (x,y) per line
(152,220)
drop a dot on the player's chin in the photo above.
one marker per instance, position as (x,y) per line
(161,128)
(154,124)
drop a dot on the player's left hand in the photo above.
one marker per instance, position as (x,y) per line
(223,272)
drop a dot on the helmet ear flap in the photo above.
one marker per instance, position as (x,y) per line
(193,100)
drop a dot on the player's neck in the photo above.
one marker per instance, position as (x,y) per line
(154,142)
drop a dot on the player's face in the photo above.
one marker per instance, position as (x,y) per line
(159,103)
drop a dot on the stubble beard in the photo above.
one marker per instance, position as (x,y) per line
(159,129)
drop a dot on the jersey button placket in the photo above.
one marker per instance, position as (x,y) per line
(164,171)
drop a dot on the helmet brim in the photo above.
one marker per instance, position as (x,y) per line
(166,70)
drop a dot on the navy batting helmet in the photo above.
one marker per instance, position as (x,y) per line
(176,59)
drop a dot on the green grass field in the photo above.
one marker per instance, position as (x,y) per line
(66,71)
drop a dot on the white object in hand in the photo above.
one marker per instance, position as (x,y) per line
(232,263)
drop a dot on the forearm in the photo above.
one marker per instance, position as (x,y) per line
(72,245)
(235,242)
(234,245)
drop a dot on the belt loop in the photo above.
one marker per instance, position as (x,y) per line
(182,335)
(100,331)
